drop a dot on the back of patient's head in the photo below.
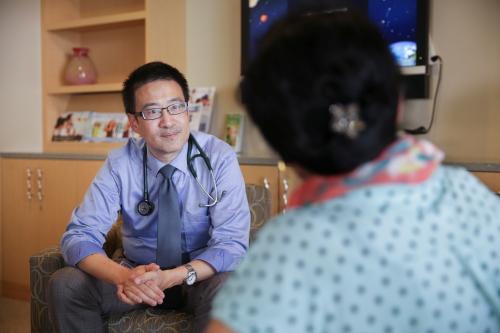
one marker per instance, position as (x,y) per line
(306,63)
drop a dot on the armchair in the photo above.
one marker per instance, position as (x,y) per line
(43,264)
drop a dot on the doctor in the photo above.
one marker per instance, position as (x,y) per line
(211,210)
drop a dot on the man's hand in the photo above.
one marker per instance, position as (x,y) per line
(133,293)
(163,279)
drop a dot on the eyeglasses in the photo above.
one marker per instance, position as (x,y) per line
(155,113)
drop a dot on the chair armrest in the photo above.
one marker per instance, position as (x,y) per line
(42,265)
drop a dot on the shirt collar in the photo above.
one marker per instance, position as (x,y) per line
(179,162)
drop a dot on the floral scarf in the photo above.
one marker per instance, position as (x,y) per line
(406,161)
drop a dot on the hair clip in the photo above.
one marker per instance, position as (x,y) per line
(345,120)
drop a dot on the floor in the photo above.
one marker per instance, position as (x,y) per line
(14,316)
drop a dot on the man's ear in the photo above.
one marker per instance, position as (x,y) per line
(132,119)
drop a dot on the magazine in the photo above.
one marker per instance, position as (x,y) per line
(71,126)
(201,104)
(92,127)
(234,128)
(108,127)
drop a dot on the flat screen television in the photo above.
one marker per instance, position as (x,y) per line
(403,23)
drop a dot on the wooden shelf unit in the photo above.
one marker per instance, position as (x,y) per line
(87,88)
(121,35)
(91,23)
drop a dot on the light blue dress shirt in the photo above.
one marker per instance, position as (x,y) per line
(217,235)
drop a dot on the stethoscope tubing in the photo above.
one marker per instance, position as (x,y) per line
(146,207)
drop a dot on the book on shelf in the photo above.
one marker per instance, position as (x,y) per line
(88,126)
(201,104)
(234,128)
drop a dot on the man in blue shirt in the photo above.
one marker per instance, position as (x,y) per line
(213,238)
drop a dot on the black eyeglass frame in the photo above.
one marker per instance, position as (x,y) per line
(168,108)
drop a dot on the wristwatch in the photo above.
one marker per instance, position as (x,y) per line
(191,275)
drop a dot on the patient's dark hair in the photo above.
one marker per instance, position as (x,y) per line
(150,72)
(307,63)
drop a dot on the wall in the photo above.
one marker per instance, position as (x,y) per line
(463,32)
(213,48)
(20,81)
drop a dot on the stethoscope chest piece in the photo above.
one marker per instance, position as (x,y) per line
(145,208)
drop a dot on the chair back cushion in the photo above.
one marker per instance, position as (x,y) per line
(259,202)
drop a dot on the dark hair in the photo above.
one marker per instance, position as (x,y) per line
(150,72)
(305,64)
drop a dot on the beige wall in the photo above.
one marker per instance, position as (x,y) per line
(466,35)
(213,48)
(20,82)
(464,32)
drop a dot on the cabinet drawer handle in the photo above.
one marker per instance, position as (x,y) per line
(29,194)
(285,195)
(266,183)
(39,184)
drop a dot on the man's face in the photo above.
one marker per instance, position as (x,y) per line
(166,135)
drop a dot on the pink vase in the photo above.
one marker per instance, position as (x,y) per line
(80,69)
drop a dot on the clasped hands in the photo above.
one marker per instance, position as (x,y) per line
(144,284)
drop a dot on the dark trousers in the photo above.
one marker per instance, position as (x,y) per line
(78,302)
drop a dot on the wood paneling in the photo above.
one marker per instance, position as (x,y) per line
(33,224)
(491,179)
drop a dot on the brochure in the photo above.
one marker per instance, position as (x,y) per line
(234,128)
(201,104)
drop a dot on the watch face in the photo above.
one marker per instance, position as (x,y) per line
(191,278)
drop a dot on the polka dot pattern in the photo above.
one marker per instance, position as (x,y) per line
(393,258)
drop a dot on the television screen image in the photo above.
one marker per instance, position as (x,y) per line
(261,15)
(398,22)
(404,23)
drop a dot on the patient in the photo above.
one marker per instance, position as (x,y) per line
(382,237)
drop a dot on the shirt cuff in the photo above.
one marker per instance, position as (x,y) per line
(219,259)
(80,251)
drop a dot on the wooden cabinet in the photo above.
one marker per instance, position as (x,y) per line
(491,179)
(280,179)
(266,175)
(38,197)
(1,228)
(121,35)
(288,182)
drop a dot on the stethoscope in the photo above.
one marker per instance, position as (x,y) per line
(145,207)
